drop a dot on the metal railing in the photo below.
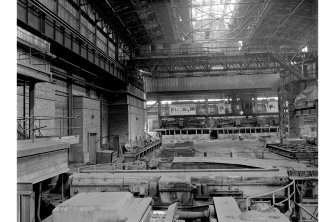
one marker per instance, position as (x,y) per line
(28,58)
(35,126)
(32,40)
(35,54)
(313,216)
(290,194)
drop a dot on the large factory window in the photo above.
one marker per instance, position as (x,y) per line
(191,132)
(214,134)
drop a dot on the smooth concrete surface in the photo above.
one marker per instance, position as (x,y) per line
(226,209)
(224,148)
(39,167)
(28,147)
(102,206)
(260,163)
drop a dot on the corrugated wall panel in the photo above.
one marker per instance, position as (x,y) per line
(212,83)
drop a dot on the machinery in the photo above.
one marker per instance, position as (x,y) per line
(195,182)
(216,122)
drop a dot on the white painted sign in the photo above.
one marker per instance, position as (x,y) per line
(182,109)
(224,108)
(272,106)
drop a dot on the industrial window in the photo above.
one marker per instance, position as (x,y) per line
(206,131)
(242,130)
(177,132)
(207,34)
(49,4)
(258,130)
(199,131)
(184,132)
(68,13)
(101,41)
(305,49)
(191,132)
(163,132)
(171,132)
(87,29)
(220,131)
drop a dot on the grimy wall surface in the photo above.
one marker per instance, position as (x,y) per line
(85,74)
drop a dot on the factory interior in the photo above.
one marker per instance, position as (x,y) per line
(167,110)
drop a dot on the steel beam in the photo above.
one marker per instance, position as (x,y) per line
(283,22)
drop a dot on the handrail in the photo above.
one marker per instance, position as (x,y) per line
(304,209)
(301,207)
(273,195)
(33,40)
(32,128)
(47,117)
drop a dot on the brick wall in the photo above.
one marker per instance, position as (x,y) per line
(136,122)
(45,106)
(88,111)
(44,97)
(104,123)
(19,100)
(118,122)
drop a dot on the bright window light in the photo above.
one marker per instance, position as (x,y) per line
(210,19)
(240,44)
(305,49)
(150,102)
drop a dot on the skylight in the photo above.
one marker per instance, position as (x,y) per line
(211,18)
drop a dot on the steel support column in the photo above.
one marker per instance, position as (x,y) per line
(159,113)
(31,109)
(70,105)
(101,119)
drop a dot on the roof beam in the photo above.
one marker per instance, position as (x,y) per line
(283,22)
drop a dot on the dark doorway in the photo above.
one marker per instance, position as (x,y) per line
(214,134)
(92,147)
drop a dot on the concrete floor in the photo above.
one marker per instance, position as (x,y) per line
(244,149)
(252,149)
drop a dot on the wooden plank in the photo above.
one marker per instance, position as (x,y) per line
(170,212)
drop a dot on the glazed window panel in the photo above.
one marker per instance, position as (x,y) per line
(87,29)
(68,13)
(50,4)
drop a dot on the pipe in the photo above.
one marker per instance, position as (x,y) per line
(191,214)
(39,202)
(198,189)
